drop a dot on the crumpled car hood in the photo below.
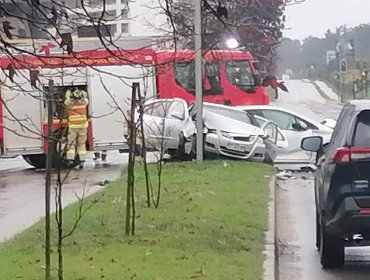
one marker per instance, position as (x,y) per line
(217,121)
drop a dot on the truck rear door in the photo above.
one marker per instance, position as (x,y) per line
(22,116)
(110,89)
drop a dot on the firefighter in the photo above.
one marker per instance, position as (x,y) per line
(76,102)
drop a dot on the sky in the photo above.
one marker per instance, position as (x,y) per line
(314,17)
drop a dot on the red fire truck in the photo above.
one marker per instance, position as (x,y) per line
(229,77)
(107,76)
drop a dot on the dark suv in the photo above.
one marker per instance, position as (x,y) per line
(342,190)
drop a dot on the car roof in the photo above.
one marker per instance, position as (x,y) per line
(282,109)
(360,105)
(268,107)
(222,106)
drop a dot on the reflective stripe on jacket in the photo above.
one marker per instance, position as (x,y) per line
(77,116)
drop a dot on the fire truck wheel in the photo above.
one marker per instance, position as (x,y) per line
(37,161)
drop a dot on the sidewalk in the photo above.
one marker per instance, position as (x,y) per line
(327,91)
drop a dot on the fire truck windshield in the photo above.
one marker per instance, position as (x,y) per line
(239,73)
(185,77)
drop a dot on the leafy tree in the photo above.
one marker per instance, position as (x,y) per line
(256,24)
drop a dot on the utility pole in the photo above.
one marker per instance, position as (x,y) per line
(198,77)
(49,166)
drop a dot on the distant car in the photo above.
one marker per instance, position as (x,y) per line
(169,124)
(342,190)
(294,127)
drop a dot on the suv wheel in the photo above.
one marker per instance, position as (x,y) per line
(331,250)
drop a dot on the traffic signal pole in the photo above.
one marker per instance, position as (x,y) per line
(343,70)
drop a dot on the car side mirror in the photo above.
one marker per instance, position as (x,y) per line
(312,144)
(257,80)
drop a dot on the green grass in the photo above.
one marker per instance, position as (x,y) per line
(211,219)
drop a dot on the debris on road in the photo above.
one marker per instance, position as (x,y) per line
(285,175)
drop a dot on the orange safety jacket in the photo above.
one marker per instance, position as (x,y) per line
(77,113)
(77,117)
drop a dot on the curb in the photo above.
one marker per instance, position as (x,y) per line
(322,93)
(270,265)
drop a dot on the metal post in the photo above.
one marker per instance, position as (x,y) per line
(343,87)
(198,76)
(49,166)
(354,90)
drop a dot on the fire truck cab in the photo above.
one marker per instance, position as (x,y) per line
(229,77)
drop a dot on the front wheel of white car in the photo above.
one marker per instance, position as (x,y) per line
(193,141)
(268,159)
(181,151)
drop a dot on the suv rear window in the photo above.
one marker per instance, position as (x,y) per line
(362,132)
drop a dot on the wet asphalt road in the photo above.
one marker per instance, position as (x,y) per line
(298,258)
(22,190)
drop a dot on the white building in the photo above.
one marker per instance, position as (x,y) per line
(123,20)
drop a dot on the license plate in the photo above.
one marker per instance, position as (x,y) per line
(236,147)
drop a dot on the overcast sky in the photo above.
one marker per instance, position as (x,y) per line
(314,17)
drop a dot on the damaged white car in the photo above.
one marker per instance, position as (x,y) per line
(295,127)
(169,124)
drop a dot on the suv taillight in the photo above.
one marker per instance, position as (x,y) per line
(343,155)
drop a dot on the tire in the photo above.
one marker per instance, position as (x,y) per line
(318,234)
(268,159)
(37,161)
(331,250)
(59,161)
(193,153)
(180,153)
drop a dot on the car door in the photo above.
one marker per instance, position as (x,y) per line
(154,123)
(281,141)
(174,122)
(271,138)
(294,130)
(325,164)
